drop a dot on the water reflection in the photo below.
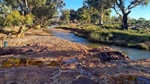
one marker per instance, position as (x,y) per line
(134,54)
(141,80)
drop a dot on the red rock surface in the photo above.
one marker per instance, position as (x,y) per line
(102,65)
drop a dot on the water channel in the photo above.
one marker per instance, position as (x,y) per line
(134,54)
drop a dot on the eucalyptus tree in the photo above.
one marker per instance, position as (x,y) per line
(4,10)
(41,9)
(24,6)
(107,16)
(65,17)
(73,15)
(123,8)
(98,5)
(84,15)
(25,11)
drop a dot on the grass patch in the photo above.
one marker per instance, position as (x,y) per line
(113,35)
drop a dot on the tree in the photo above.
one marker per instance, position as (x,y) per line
(98,5)
(4,10)
(73,15)
(106,16)
(65,16)
(141,20)
(23,12)
(24,6)
(132,22)
(43,10)
(14,18)
(115,19)
(84,15)
(123,9)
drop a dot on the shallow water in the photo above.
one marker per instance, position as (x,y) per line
(134,54)
(141,80)
(69,61)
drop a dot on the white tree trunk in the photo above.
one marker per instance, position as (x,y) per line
(101,19)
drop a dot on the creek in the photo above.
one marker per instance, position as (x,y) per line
(133,53)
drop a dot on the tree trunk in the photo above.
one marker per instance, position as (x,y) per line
(101,19)
(20,32)
(101,14)
(125,20)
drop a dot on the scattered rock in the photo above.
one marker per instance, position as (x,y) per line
(108,54)
(53,62)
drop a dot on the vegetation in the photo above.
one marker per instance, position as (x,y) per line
(119,5)
(93,21)
(28,13)
(84,15)
(112,35)
(99,6)
(65,16)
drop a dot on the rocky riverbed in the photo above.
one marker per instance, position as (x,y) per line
(40,58)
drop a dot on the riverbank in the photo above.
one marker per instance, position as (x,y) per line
(57,61)
(117,37)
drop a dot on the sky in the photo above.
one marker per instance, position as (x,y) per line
(136,13)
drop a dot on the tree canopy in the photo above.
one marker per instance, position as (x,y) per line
(99,6)
(31,11)
(123,8)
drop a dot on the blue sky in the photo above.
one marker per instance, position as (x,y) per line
(136,12)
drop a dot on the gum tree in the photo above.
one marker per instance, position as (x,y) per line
(33,13)
(65,17)
(100,6)
(123,8)
(43,10)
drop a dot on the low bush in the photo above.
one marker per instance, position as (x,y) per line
(111,26)
(131,38)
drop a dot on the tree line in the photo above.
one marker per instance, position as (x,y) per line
(98,11)
(40,12)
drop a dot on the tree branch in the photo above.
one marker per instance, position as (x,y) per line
(116,11)
(133,4)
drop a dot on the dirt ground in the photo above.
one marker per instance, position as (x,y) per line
(65,62)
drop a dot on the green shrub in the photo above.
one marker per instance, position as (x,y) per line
(14,18)
(95,36)
(91,28)
(100,36)
(29,19)
(111,26)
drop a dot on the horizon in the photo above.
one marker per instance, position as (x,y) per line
(136,13)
